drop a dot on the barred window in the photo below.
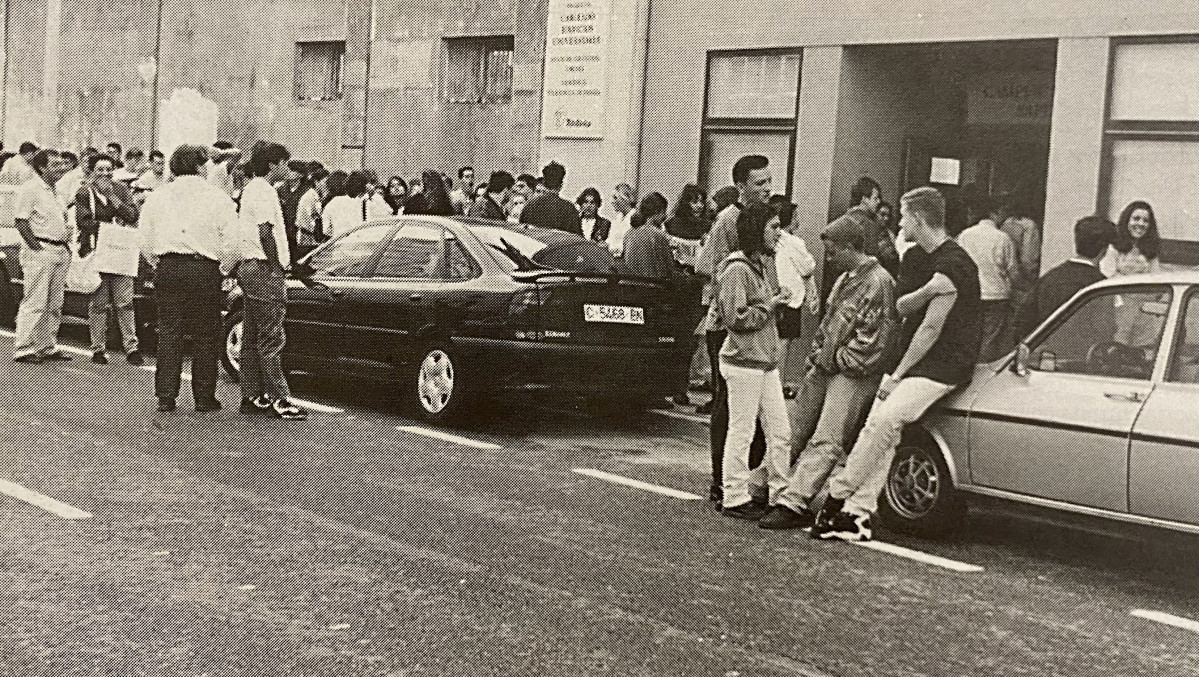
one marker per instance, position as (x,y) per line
(478,70)
(318,70)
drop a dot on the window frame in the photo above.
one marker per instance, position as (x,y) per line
(1178,335)
(338,71)
(370,262)
(1173,251)
(481,47)
(438,274)
(743,125)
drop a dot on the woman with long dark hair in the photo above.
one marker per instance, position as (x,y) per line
(1137,245)
(396,195)
(434,199)
(690,218)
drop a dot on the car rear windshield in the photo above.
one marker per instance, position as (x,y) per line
(515,248)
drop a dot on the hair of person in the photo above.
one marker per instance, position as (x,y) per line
(27,147)
(187,159)
(265,154)
(433,182)
(553,175)
(298,166)
(336,185)
(97,159)
(652,205)
(1092,235)
(371,176)
(1149,244)
(781,207)
(114,144)
(314,165)
(725,197)
(223,145)
(157,154)
(499,182)
(689,194)
(134,154)
(747,164)
(862,189)
(927,203)
(317,174)
(41,159)
(71,157)
(355,184)
(751,227)
(464,170)
(637,220)
(590,192)
(396,179)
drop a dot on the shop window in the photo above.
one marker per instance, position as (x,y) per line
(318,70)
(1151,139)
(478,70)
(751,107)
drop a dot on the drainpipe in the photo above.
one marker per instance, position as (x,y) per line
(50,66)
(366,87)
(155,85)
(644,42)
(4,106)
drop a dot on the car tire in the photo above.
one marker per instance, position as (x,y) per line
(438,391)
(231,345)
(919,497)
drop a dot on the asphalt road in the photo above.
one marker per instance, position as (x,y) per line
(219,544)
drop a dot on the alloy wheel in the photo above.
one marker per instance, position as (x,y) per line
(233,345)
(914,484)
(435,381)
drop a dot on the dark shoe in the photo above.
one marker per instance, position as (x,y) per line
(135,358)
(287,411)
(824,518)
(99,357)
(715,493)
(781,517)
(166,404)
(208,405)
(258,405)
(848,527)
(705,408)
(29,359)
(681,400)
(789,393)
(57,356)
(752,511)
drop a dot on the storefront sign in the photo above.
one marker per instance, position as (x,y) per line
(575,89)
(1011,98)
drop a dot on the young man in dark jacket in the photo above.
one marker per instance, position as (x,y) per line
(852,350)
(548,209)
(1092,235)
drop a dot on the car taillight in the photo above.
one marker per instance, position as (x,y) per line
(523,312)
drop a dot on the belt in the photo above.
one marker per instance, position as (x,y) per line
(57,243)
(188,257)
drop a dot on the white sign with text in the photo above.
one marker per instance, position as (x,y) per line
(575,87)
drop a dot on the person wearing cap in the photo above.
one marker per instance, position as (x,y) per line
(853,348)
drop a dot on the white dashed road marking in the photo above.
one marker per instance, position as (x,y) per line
(703,420)
(638,484)
(446,437)
(303,403)
(918,556)
(1166,619)
(44,502)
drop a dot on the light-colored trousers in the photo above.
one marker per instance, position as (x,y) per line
(114,293)
(754,395)
(44,274)
(862,479)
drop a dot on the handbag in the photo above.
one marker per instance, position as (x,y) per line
(82,276)
(118,248)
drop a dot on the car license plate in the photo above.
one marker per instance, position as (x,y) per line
(616,314)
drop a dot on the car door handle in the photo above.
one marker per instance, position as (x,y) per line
(1126,397)
(415,298)
(336,293)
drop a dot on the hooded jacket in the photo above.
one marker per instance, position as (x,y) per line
(743,301)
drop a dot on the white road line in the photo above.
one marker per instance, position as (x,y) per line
(638,484)
(1166,619)
(682,417)
(922,557)
(303,403)
(66,349)
(447,437)
(44,502)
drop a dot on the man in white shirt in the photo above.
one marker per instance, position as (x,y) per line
(623,201)
(998,267)
(264,249)
(17,169)
(308,213)
(463,196)
(186,229)
(152,178)
(41,219)
(220,169)
(134,166)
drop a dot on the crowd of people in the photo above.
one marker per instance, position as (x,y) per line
(907,306)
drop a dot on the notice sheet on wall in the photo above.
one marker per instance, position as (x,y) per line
(575,89)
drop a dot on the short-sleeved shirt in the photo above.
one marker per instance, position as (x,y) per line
(38,204)
(548,210)
(260,204)
(951,359)
(647,252)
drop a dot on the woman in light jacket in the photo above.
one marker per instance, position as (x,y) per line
(746,300)
(1134,251)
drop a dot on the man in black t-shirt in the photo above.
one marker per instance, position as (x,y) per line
(940,309)
(548,209)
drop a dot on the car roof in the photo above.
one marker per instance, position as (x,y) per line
(1174,277)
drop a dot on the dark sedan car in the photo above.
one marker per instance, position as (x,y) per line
(450,309)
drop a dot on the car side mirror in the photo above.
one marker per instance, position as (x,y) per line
(1020,364)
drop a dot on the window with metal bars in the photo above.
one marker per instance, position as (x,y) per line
(318,70)
(478,70)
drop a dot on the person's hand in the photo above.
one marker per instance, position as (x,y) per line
(887,386)
(782,297)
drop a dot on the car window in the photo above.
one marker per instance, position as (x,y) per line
(1184,365)
(1113,333)
(459,264)
(414,252)
(350,254)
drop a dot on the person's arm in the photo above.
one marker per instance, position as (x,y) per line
(266,235)
(872,332)
(27,235)
(910,304)
(1030,250)
(148,227)
(1107,265)
(25,205)
(1010,264)
(926,335)
(123,199)
(738,314)
(85,220)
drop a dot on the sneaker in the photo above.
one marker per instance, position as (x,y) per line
(99,357)
(849,527)
(824,518)
(257,405)
(56,356)
(752,511)
(166,404)
(135,358)
(204,406)
(287,411)
(29,359)
(781,517)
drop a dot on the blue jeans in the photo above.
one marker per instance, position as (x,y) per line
(262,330)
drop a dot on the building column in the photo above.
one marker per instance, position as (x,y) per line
(355,76)
(816,139)
(48,129)
(1075,143)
